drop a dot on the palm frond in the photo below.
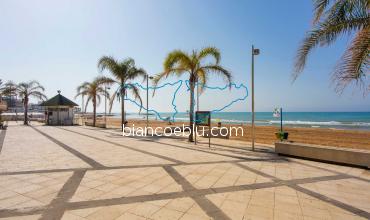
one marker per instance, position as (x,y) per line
(103,80)
(98,99)
(10,84)
(346,9)
(202,78)
(108,62)
(319,8)
(31,88)
(220,71)
(135,91)
(38,95)
(134,72)
(355,62)
(84,85)
(82,93)
(177,62)
(8,89)
(177,59)
(23,85)
(324,35)
(111,101)
(87,102)
(38,87)
(334,18)
(210,51)
(128,62)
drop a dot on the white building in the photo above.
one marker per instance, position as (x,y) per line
(59,110)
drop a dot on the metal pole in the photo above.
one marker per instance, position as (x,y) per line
(82,111)
(82,107)
(281,119)
(253,134)
(197,95)
(196,133)
(105,107)
(147,101)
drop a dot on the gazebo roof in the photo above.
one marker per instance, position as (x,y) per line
(59,100)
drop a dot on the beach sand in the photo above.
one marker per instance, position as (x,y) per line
(266,134)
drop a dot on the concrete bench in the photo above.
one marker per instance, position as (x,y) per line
(100,125)
(340,155)
(88,123)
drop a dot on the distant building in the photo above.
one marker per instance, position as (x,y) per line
(59,110)
(14,104)
(36,107)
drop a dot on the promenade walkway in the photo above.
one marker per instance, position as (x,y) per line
(89,173)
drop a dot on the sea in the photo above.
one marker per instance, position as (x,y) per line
(334,120)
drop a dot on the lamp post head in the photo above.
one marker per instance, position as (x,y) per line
(149,77)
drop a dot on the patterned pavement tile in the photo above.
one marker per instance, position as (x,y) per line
(89,173)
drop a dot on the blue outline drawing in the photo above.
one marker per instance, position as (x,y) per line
(180,82)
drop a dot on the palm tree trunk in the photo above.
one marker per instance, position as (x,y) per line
(191,110)
(94,111)
(25,105)
(123,117)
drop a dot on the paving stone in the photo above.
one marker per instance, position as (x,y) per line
(89,173)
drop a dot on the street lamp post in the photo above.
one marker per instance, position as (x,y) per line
(82,106)
(147,99)
(197,95)
(254,52)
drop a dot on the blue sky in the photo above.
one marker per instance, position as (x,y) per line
(59,43)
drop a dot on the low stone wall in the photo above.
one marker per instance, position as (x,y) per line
(331,154)
(111,123)
(20,117)
(99,125)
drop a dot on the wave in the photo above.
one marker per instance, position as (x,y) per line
(270,122)
(216,120)
(325,123)
(298,122)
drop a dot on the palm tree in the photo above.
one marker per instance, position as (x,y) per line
(26,90)
(93,91)
(123,72)
(179,62)
(2,88)
(7,89)
(333,18)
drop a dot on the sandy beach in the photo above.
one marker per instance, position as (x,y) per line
(266,134)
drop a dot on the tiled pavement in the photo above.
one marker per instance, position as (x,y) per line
(90,173)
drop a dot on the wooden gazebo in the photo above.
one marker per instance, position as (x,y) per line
(59,110)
